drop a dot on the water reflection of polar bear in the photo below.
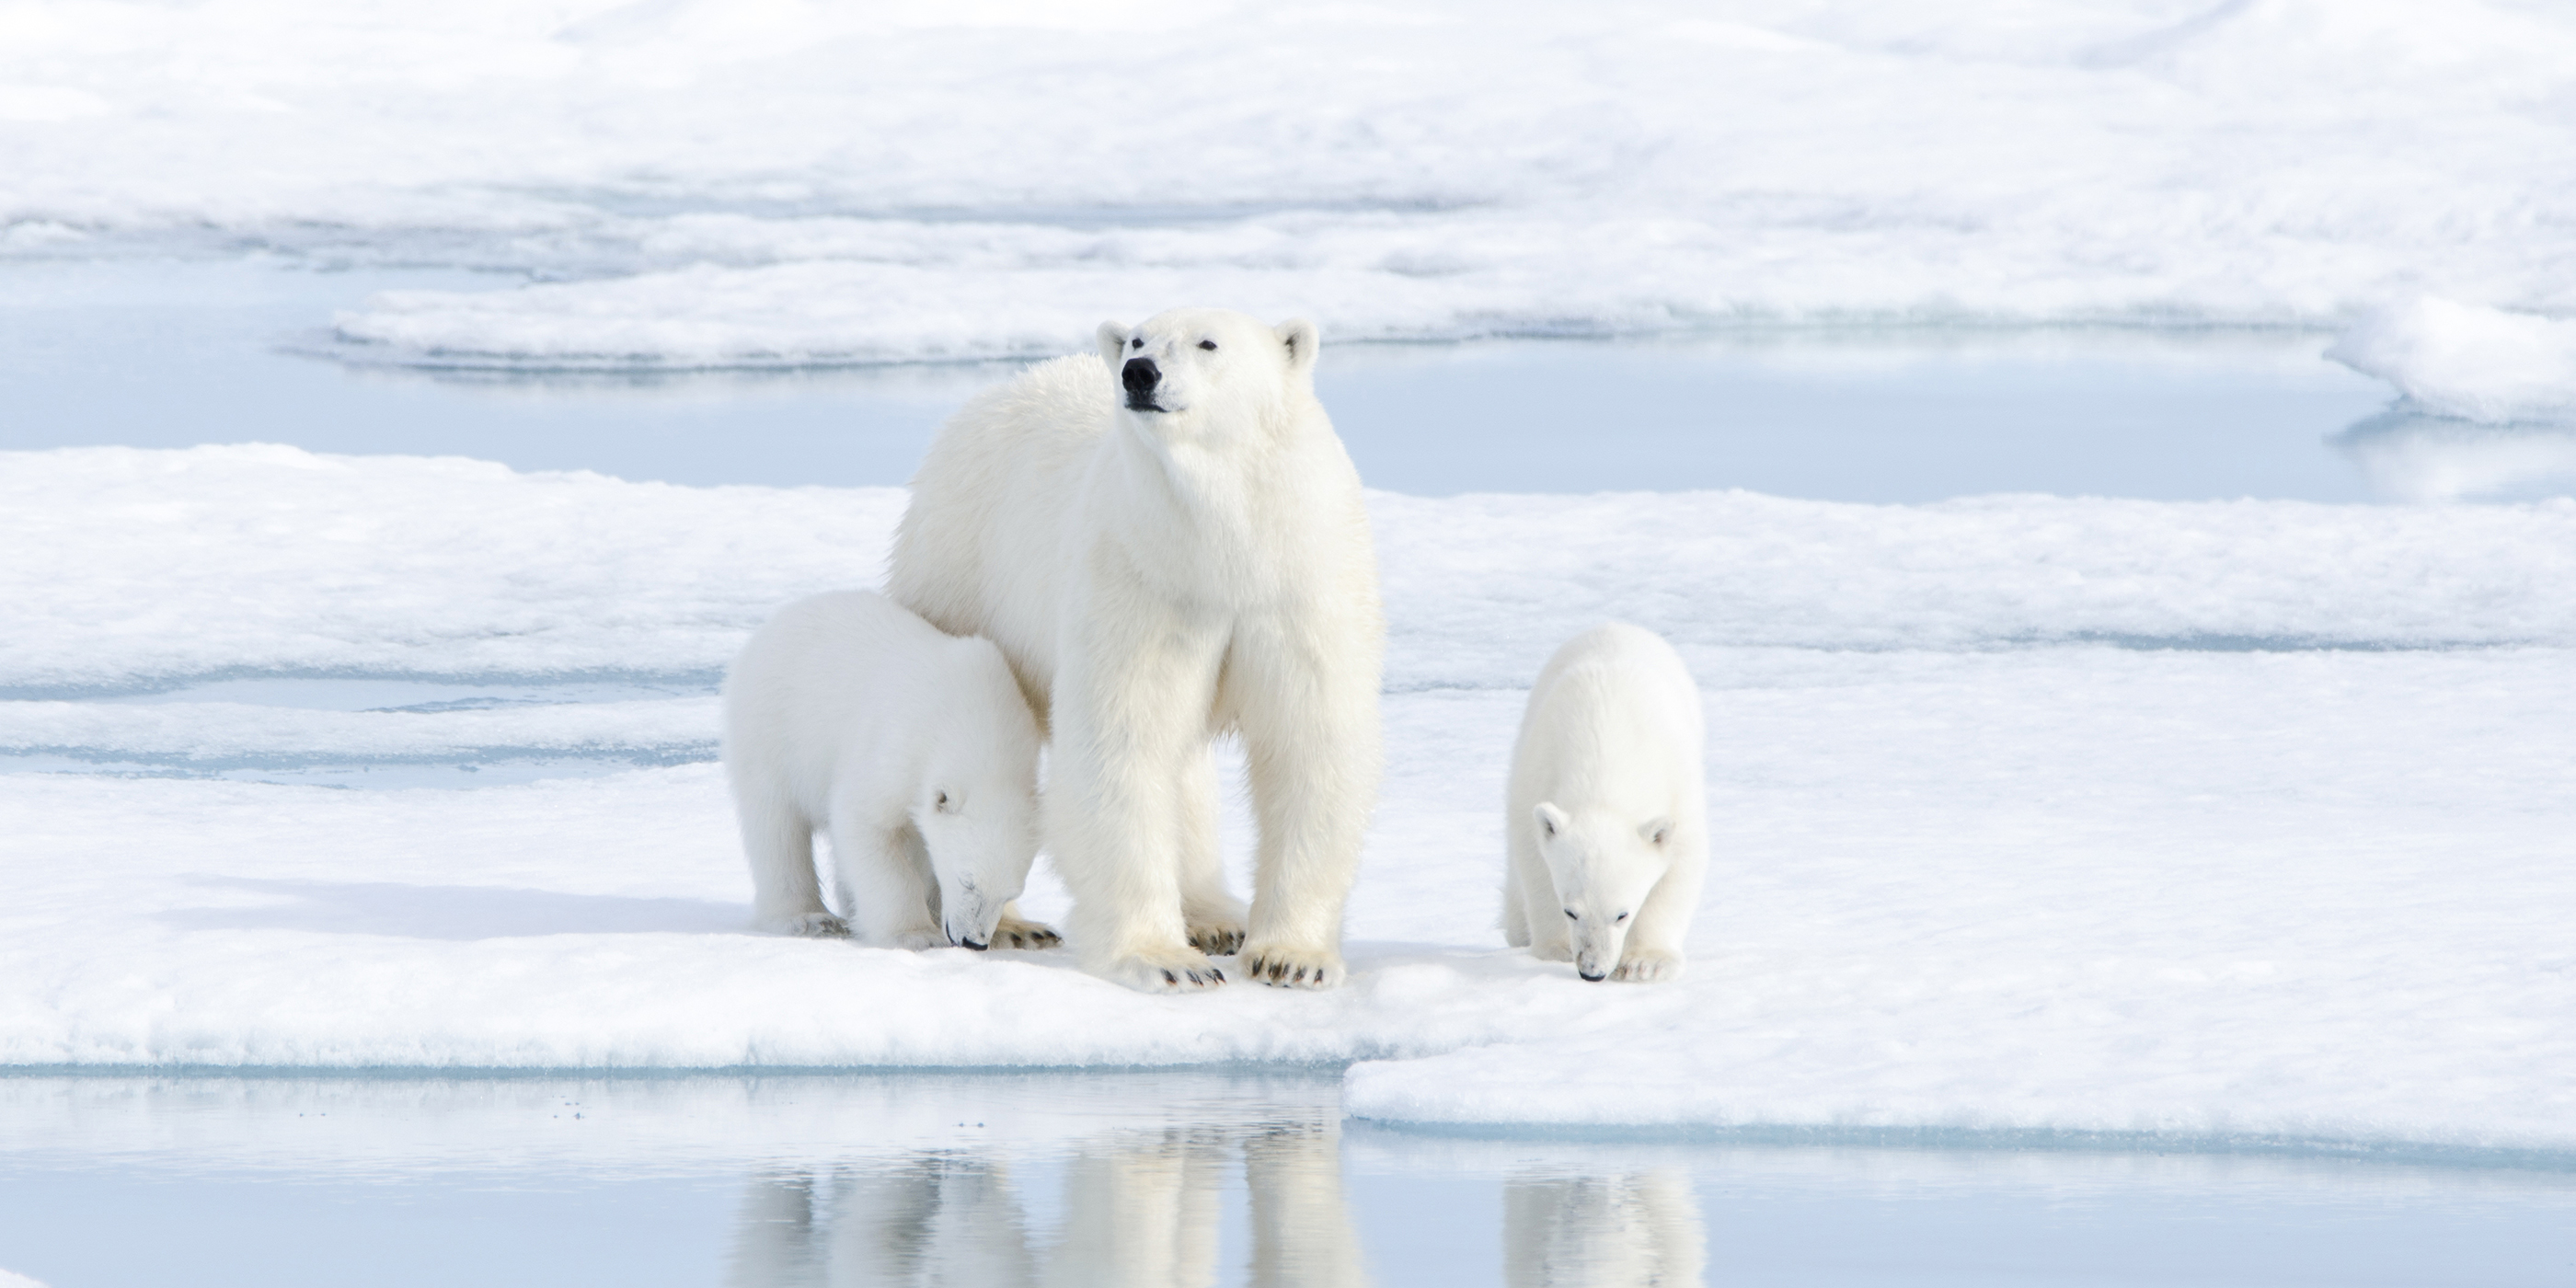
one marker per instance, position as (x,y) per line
(1618,1231)
(1140,1208)
(931,1218)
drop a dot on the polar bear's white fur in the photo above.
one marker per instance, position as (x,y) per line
(1168,547)
(913,749)
(1608,817)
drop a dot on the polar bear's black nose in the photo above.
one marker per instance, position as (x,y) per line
(1140,375)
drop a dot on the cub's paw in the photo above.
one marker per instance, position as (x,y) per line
(1556,951)
(1173,970)
(918,938)
(1217,937)
(1649,966)
(815,925)
(1011,932)
(1290,967)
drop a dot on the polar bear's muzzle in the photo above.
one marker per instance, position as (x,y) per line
(1142,378)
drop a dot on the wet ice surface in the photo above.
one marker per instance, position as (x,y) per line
(346,731)
(175,354)
(1147,1179)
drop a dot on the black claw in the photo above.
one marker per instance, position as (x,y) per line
(1168,979)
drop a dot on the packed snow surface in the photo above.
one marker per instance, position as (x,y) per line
(2246,819)
(708,182)
(151,567)
(2467,362)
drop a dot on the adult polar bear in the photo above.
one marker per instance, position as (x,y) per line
(1163,557)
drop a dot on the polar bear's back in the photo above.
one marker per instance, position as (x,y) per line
(980,550)
(1614,719)
(827,674)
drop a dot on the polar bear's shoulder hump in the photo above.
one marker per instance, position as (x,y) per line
(1074,388)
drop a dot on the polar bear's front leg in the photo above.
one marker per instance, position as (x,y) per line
(886,884)
(1306,700)
(1654,948)
(1016,931)
(1210,914)
(1131,699)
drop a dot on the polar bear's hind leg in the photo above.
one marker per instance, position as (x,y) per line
(786,896)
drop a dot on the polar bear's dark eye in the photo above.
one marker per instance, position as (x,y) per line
(1623,916)
(1138,342)
(1569,913)
(1207,344)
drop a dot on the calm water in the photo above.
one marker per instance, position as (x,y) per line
(169,355)
(1143,1180)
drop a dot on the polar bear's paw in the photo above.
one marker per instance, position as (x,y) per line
(815,925)
(1170,970)
(1647,966)
(918,938)
(1012,932)
(1552,950)
(1217,936)
(1291,967)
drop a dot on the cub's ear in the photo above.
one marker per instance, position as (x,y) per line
(1113,339)
(1656,831)
(1551,820)
(1300,337)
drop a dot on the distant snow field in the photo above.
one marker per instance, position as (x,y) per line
(707,183)
(2239,820)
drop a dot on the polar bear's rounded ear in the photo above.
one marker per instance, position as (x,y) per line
(1656,831)
(1301,338)
(1551,820)
(1113,339)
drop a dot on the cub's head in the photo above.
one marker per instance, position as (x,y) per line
(978,809)
(1603,866)
(1191,368)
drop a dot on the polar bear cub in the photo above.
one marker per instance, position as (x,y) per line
(1607,824)
(913,749)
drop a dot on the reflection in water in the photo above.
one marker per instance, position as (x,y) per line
(1610,1231)
(931,1219)
(1141,1208)
(2409,456)
(1151,1178)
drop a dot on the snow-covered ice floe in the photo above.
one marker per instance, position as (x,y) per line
(152,568)
(2467,362)
(2488,406)
(2244,820)
(702,183)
